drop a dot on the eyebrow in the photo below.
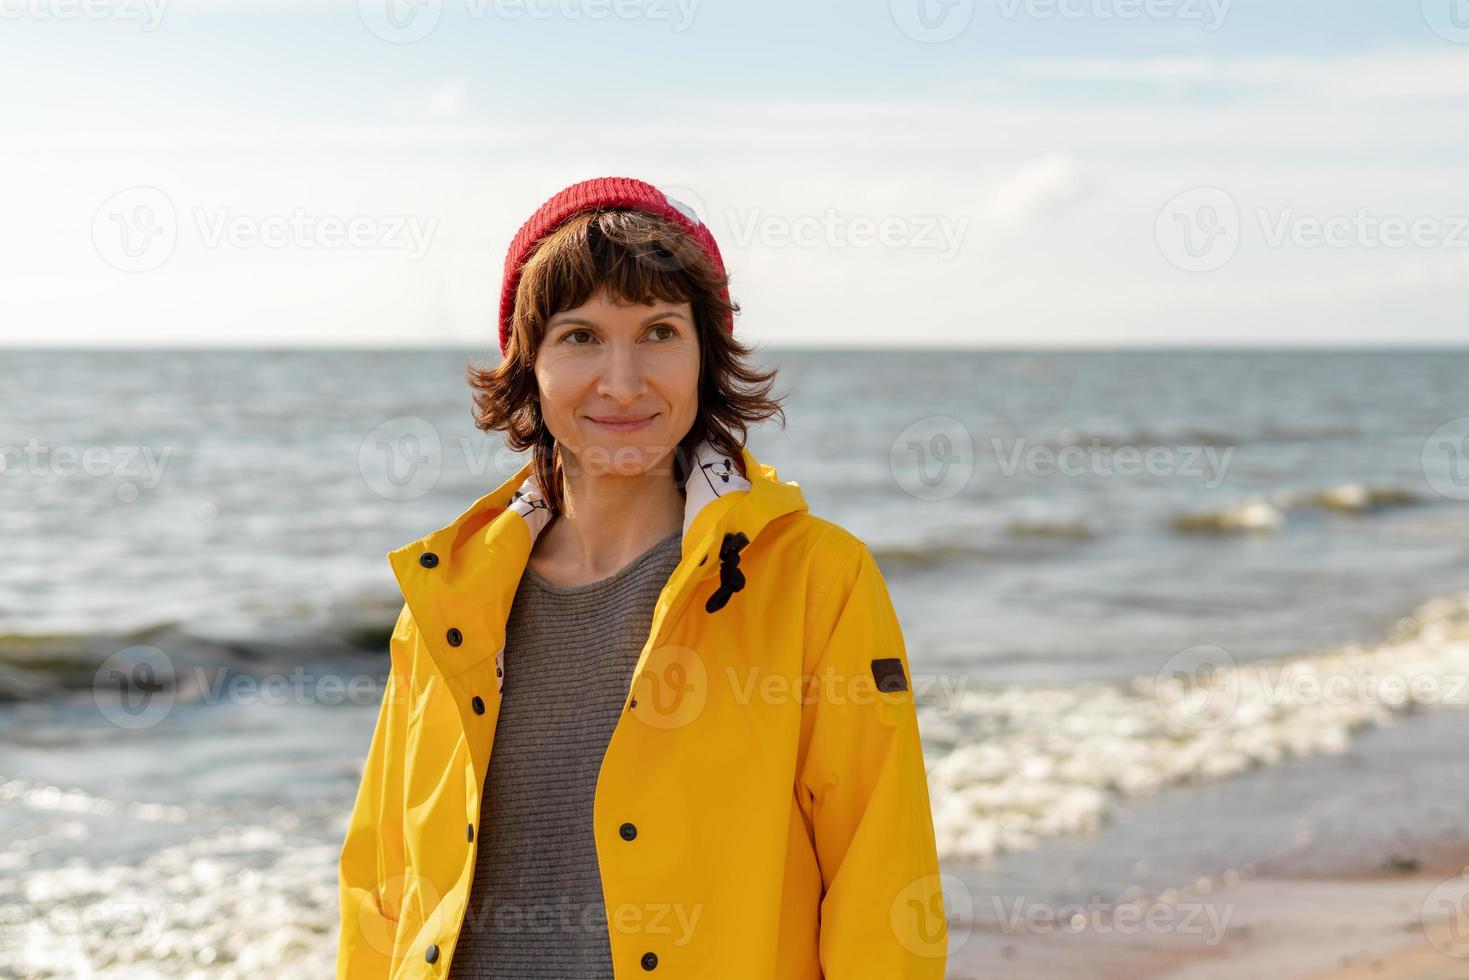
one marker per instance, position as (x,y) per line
(560,321)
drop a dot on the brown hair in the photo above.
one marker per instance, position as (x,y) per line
(639,258)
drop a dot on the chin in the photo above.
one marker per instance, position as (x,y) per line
(624,453)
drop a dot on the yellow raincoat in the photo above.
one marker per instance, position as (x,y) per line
(761,811)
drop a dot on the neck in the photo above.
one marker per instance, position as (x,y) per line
(608,519)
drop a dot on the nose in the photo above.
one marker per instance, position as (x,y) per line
(622,374)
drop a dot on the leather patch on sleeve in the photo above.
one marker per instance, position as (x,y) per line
(888,672)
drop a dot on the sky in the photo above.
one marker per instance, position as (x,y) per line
(970,173)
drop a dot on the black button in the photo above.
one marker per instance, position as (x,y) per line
(650,960)
(432,953)
(469,832)
(454,636)
(499,672)
(428,559)
(478,704)
(628,831)
(633,703)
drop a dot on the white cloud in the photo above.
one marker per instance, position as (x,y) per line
(446,101)
(1407,73)
(1159,70)
(1090,271)
(432,111)
(1044,188)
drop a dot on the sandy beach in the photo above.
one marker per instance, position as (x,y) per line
(1386,924)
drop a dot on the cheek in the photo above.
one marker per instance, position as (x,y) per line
(678,380)
(559,386)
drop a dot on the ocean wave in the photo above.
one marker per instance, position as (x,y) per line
(1010,767)
(1146,437)
(1251,514)
(1349,498)
(1268,513)
(63,666)
(1064,529)
(1141,438)
(1017,538)
(923,555)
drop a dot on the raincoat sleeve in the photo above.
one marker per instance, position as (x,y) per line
(370,872)
(863,787)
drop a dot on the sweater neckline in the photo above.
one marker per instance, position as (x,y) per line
(588,587)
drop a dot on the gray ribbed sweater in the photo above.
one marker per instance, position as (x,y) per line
(535,907)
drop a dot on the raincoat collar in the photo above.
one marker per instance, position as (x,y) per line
(714,477)
(475,562)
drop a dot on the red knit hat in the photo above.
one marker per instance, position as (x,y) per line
(599,193)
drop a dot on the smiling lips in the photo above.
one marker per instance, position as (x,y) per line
(623,423)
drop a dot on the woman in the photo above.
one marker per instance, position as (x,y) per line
(706,759)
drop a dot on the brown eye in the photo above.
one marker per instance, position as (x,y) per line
(672,332)
(575,333)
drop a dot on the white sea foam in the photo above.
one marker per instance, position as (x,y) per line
(1348,498)
(1251,514)
(237,901)
(1009,767)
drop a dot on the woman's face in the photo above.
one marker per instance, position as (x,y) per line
(619,383)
